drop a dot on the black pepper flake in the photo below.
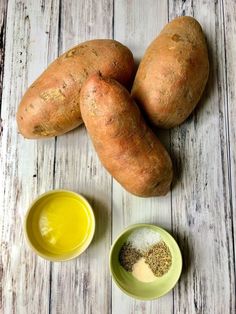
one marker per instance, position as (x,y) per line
(128,256)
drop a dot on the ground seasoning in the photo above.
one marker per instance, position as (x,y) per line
(128,256)
(142,271)
(146,255)
(159,259)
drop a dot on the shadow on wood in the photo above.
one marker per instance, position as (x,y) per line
(102,217)
(184,245)
(177,167)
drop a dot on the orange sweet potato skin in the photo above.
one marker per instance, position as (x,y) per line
(173,73)
(127,148)
(50,106)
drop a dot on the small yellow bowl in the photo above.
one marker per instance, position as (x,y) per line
(59,225)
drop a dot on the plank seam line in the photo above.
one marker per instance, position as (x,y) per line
(228,144)
(113,19)
(4,23)
(55,150)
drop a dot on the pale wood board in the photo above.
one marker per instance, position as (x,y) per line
(229,16)
(86,280)
(200,201)
(199,211)
(26,166)
(129,209)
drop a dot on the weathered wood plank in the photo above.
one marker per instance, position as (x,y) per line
(136,25)
(201,199)
(26,166)
(3,18)
(84,285)
(229,10)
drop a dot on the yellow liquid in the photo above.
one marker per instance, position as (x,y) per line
(61,224)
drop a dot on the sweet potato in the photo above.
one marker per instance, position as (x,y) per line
(173,73)
(50,106)
(126,146)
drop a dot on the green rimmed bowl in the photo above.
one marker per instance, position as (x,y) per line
(130,285)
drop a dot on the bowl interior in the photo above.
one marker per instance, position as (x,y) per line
(135,288)
(33,234)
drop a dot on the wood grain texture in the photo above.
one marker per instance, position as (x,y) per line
(3,18)
(129,20)
(26,166)
(201,200)
(85,281)
(229,19)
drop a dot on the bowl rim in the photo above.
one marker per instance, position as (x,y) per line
(130,227)
(30,208)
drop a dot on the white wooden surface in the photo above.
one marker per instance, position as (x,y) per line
(199,211)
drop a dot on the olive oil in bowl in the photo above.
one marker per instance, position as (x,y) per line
(59,225)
